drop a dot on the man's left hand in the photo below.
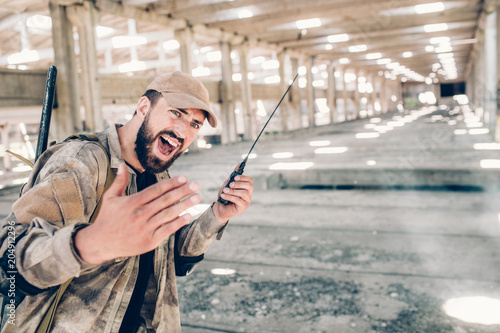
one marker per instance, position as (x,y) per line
(239,195)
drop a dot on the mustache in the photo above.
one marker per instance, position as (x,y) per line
(171,134)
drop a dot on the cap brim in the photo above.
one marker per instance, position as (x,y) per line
(185,101)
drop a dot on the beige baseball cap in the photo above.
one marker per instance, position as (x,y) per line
(183,91)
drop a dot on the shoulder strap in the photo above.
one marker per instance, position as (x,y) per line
(46,323)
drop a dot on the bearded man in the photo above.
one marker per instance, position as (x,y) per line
(124,264)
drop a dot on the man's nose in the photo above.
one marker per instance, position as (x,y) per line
(180,127)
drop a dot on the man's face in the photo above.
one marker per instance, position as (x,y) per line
(165,134)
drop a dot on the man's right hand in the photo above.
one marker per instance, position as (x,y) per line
(131,225)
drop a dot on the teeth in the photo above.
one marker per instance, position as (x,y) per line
(172,143)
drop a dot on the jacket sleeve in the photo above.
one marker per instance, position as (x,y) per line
(58,200)
(195,238)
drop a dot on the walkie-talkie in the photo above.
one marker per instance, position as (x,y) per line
(241,168)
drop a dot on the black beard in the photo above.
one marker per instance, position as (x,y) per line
(144,149)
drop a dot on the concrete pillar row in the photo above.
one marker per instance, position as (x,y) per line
(357,97)
(344,94)
(295,93)
(285,105)
(250,117)
(227,95)
(497,55)
(84,17)
(310,93)
(66,117)
(331,96)
(185,38)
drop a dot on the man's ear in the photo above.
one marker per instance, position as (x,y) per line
(143,107)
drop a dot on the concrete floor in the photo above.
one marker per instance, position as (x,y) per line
(372,238)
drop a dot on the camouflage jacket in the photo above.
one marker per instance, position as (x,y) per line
(59,198)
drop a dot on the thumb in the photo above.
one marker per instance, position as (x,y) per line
(117,189)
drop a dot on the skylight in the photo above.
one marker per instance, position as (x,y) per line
(128,41)
(338,38)
(372,56)
(357,48)
(435,27)
(439,40)
(429,8)
(245,13)
(309,23)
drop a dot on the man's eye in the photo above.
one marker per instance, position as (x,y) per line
(195,125)
(175,112)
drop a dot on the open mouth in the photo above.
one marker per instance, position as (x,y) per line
(167,146)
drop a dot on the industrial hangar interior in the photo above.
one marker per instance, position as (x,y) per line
(376,182)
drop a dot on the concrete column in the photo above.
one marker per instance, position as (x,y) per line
(479,79)
(284,107)
(344,95)
(228,116)
(246,95)
(384,98)
(66,117)
(357,97)
(185,39)
(295,98)
(370,96)
(310,93)
(4,129)
(85,18)
(490,73)
(497,129)
(331,95)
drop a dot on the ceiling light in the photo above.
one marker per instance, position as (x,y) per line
(132,66)
(372,56)
(445,55)
(318,83)
(170,45)
(257,60)
(41,22)
(344,61)
(23,56)
(407,54)
(128,41)
(201,71)
(383,61)
(237,77)
(309,23)
(439,40)
(429,48)
(272,79)
(442,49)
(102,31)
(357,48)
(435,27)
(392,65)
(429,8)
(214,56)
(270,64)
(338,38)
(328,47)
(245,13)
